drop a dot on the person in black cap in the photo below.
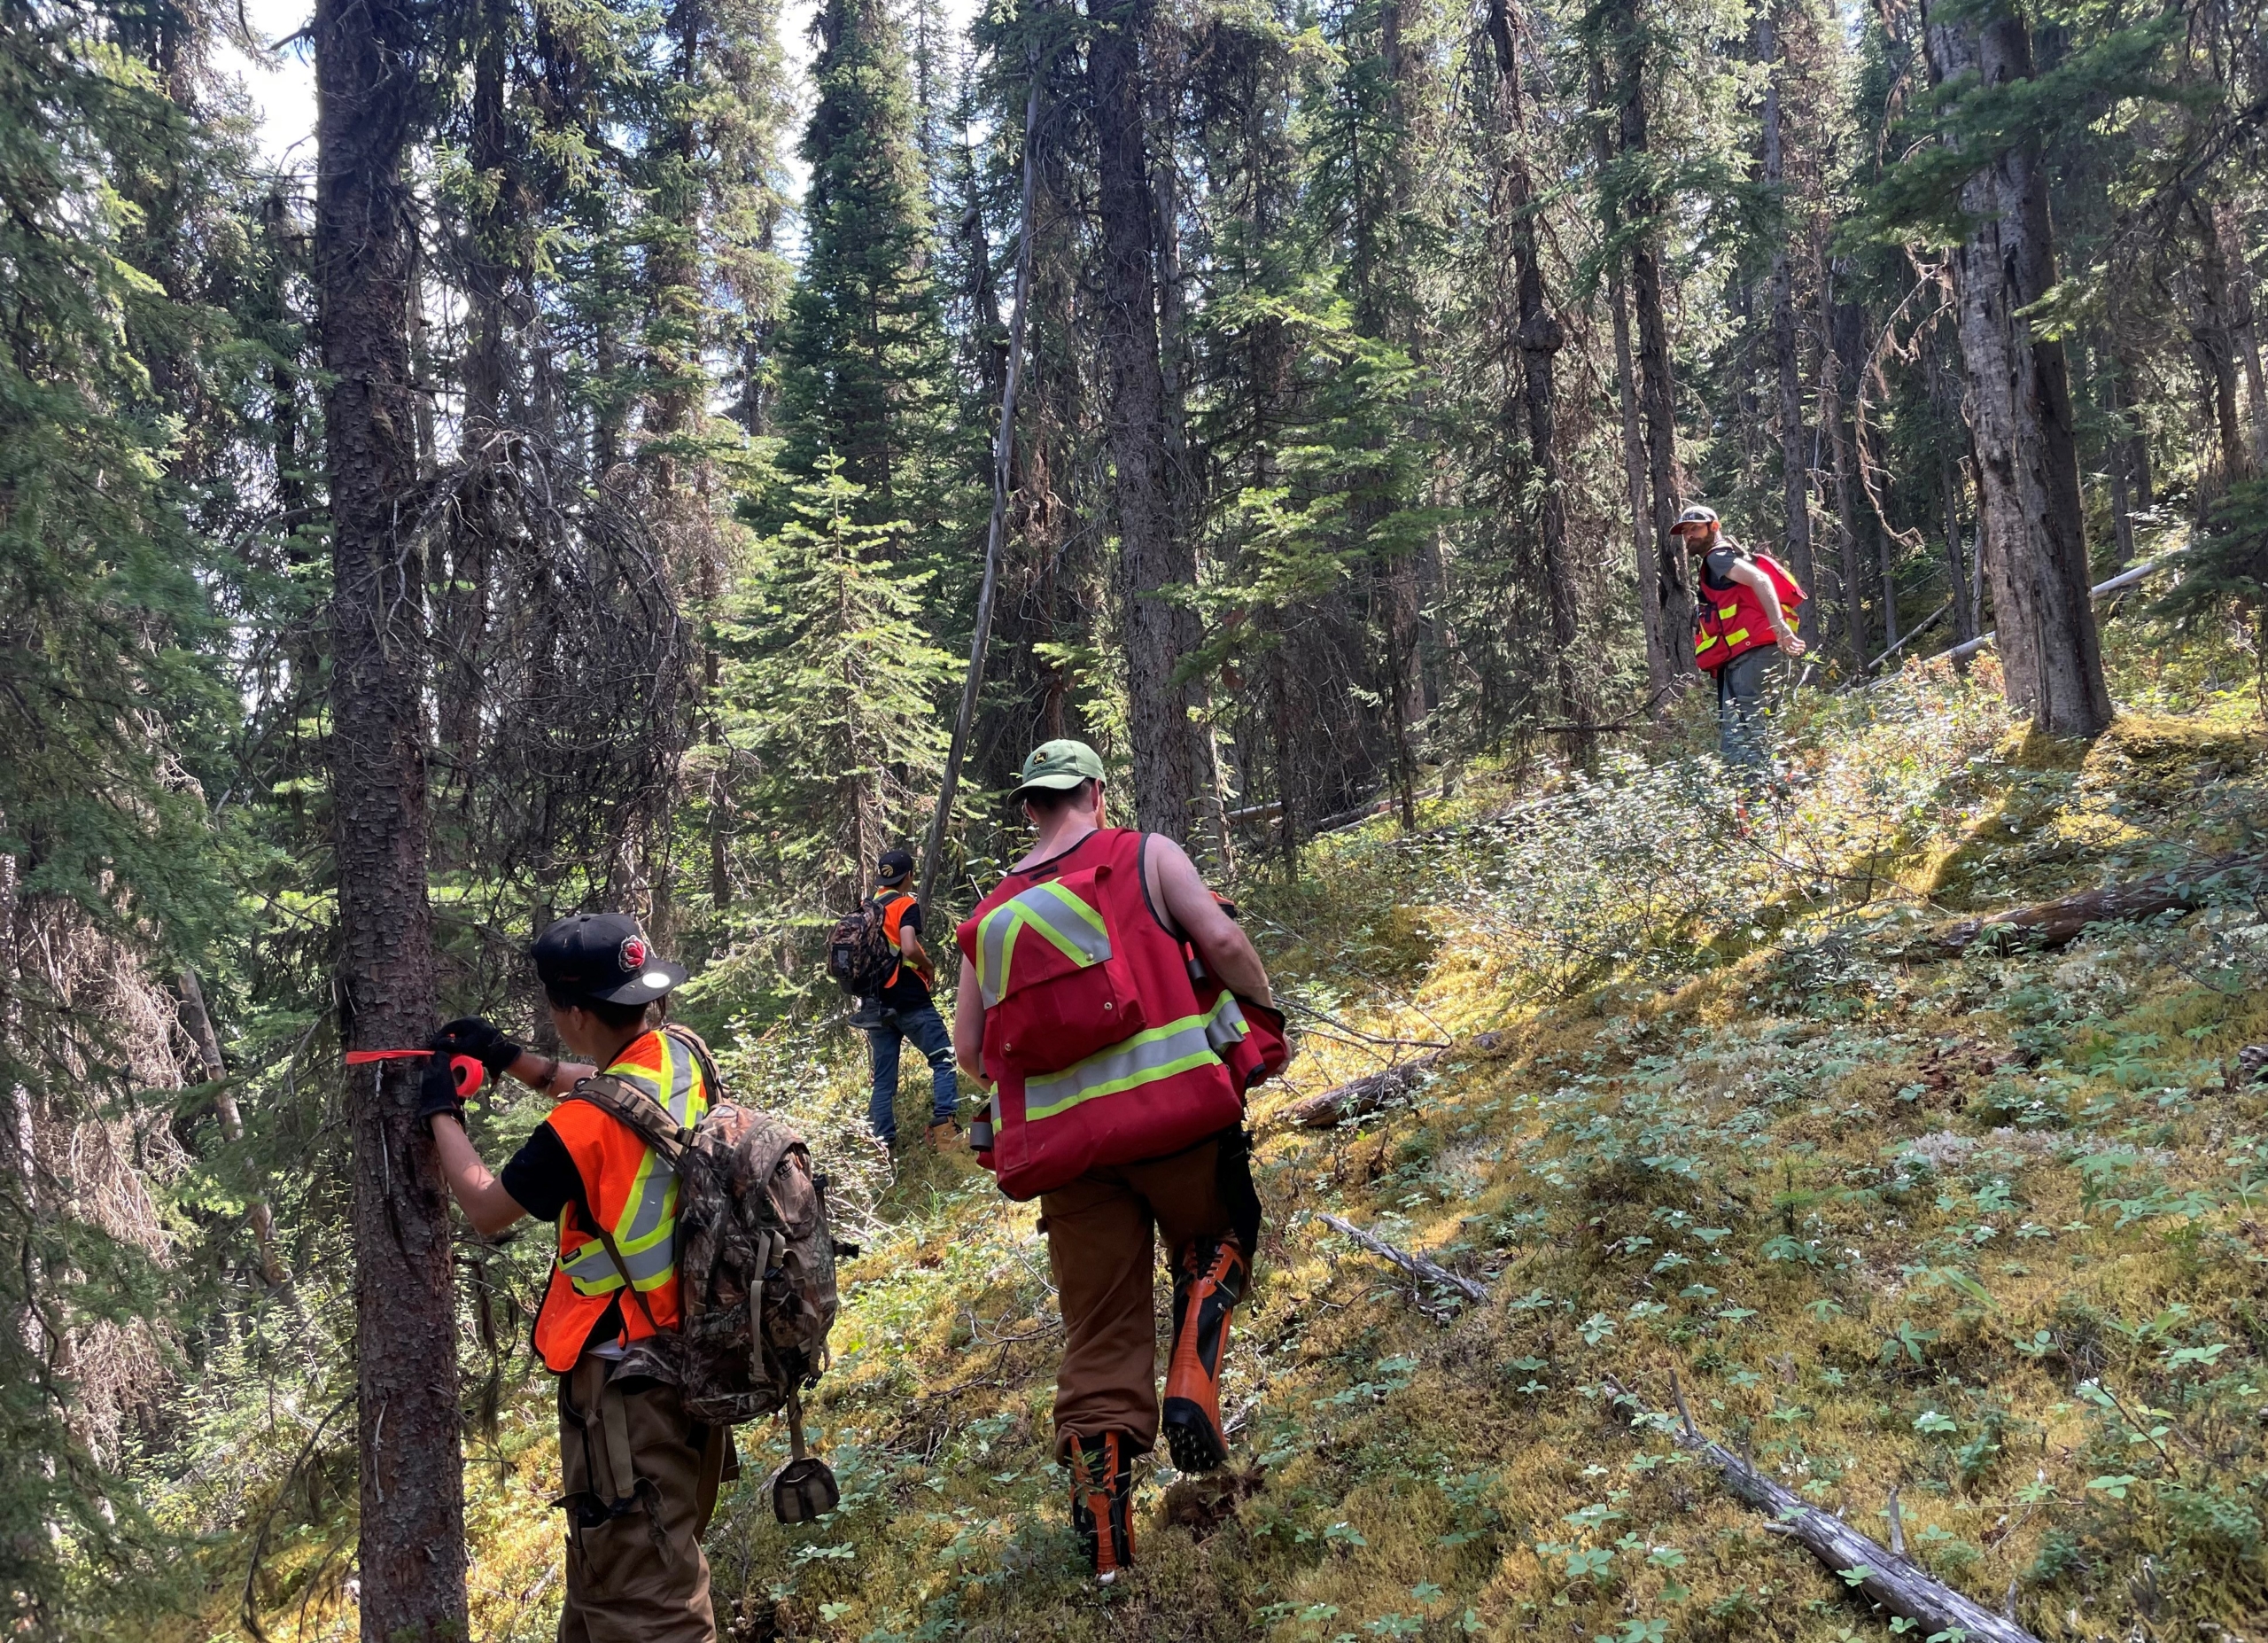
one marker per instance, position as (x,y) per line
(905,1009)
(641,1478)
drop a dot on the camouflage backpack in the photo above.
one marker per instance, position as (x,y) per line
(756,1262)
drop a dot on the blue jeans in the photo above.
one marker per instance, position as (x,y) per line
(927,1029)
(1746,687)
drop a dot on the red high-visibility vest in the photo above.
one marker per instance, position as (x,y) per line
(633,1193)
(1102,1047)
(1731,621)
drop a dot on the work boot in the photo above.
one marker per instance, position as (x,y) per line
(1102,1501)
(1209,1280)
(944,1136)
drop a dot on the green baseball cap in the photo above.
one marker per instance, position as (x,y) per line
(1058,765)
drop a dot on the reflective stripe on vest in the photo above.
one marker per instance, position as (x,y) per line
(646,1231)
(1074,927)
(1147,1057)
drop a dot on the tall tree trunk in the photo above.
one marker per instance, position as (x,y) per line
(198,1021)
(1658,636)
(2034,536)
(1656,388)
(1540,336)
(412,1547)
(2244,330)
(1168,764)
(1795,462)
(1953,484)
(2116,449)
(2215,337)
(1950,486)
(1832,388)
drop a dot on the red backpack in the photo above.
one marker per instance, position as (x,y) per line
(1102,1046)
(1731,621)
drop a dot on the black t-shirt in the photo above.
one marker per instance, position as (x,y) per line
(1717,568)
(541,1176)
(543,1181)
(906,990)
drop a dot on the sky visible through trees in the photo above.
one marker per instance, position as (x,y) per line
(562,481)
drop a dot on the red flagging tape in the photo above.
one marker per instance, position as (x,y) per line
(466,1070)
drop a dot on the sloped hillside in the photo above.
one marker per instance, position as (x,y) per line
(1982,1230)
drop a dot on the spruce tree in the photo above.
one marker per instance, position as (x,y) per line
(867,372)
(828,693)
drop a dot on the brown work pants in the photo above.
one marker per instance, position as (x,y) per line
(641,1481)
(1098,1244)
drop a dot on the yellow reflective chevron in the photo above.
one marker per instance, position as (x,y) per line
(645,1231)
(1146,1058)
(1063,919)
(1737,636)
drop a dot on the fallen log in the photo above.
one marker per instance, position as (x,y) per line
(1881,1575)
(1357,1098)
(2056,923)
(1416,1265)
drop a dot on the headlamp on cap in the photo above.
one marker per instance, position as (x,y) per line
(602,958)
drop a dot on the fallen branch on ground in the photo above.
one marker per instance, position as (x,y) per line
(2054,924)
(1880,1575)
(1416,1265)
(1357,1098)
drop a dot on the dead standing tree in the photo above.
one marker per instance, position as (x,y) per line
(2033,534)
(411,1551)
(1153,557)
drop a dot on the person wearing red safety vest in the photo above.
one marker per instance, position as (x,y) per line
(1118,1015)
(1743,621)
(640,1477)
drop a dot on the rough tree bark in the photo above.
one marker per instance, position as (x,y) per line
(1672,591)
(2215,337)
(1795,462)
(411,1552)
(2033,536)
(1539,338)
(1153,556)
(1838,386)
(1626,394)
(2244,328)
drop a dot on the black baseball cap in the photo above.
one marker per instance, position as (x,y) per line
(894,863)
(603,958)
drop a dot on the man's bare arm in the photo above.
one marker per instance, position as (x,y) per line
(909,944)
(486,1203)
(968,1024)
(1753,577)
(1227,951)
(531,1070)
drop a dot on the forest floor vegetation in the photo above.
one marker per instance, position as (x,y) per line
(1986,1232)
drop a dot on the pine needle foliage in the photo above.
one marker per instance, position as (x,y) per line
(830,727)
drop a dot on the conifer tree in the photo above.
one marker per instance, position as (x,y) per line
(412,1514)
(865,366)
(829,690)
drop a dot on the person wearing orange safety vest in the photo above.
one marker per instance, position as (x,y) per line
(640,1478)
(1743,621)
(1118,1016)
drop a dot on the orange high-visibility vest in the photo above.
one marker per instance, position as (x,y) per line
(895,905)
(633,1193)
(1731,621)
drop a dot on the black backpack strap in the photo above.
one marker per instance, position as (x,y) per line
(645,1118)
